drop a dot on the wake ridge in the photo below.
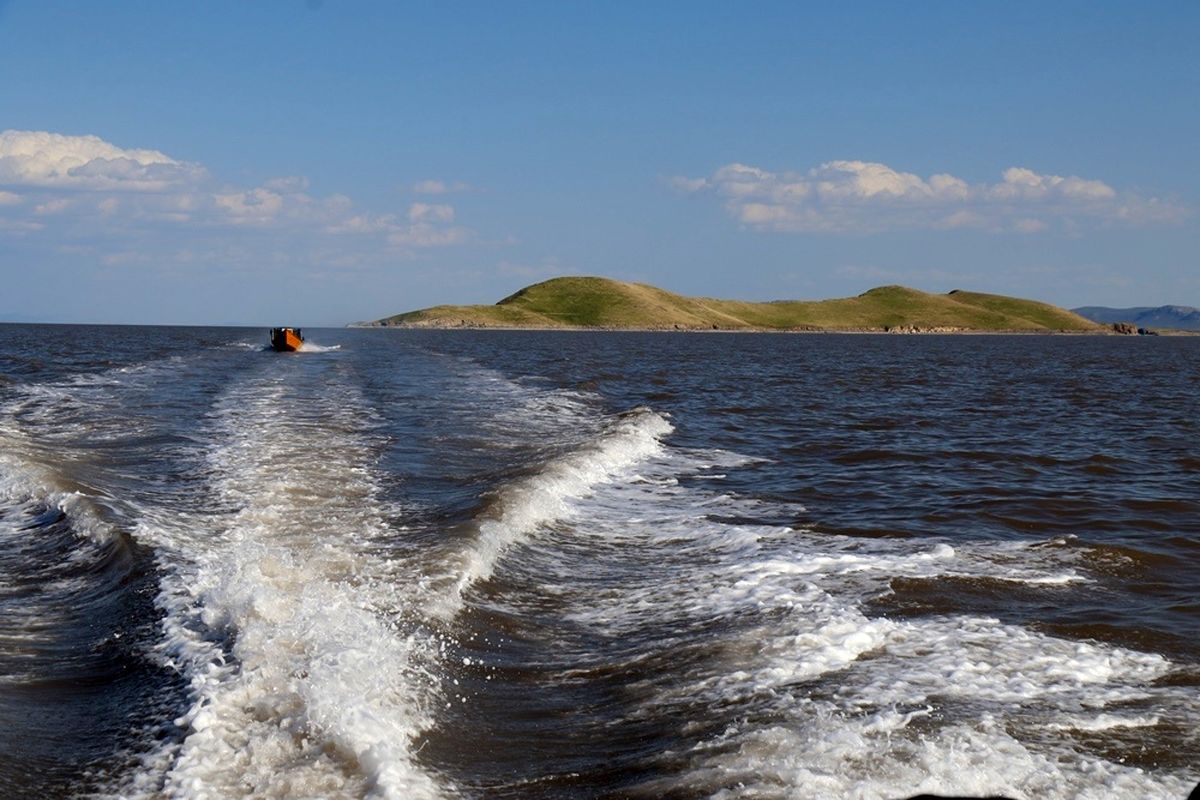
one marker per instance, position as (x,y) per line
(303,678)
(521,507)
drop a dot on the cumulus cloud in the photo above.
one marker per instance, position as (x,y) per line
(84,184)
(41,159)
(864,197)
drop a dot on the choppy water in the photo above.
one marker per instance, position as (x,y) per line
(567,565)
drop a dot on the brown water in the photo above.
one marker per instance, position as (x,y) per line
(439,564)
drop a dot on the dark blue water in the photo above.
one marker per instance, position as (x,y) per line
(522,564)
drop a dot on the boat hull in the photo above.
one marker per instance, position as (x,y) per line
(286,340)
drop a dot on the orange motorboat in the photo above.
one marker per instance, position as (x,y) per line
(287,340)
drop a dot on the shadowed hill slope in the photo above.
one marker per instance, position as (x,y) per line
(604,303)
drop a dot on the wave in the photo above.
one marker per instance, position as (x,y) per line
(75,625)
(26,479)
(762,642)
(521,507)
(285,592)
(276,616)
(610,603)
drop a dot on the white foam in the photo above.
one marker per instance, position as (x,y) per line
(279,613)
(280,610)
(53,418)
(521,507)
(306,679)
(828,701)
(1106,722)
(831,756)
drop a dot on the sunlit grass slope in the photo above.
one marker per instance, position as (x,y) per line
(604,303)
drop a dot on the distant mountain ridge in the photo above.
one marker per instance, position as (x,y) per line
(1184,318)
(591,302)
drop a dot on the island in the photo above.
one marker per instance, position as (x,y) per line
(606,304)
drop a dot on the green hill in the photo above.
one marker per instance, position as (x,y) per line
(609,304)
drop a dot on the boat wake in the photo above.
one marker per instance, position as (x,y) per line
(282,602)
(520,508)
(225,576)
(765,646)
(274,613)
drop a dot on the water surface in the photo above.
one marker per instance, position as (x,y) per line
(570,565)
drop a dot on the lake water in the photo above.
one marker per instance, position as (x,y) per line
(421,564)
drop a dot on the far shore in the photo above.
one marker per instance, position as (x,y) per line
(603,304)
(803,331)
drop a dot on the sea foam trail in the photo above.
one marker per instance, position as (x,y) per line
(301,624)
(519,508)
(305,681)
(804,691)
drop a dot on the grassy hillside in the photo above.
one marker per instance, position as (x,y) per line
(604,303)
(1042,314)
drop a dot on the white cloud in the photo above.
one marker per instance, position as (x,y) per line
(423,234)
(134,207)
(425,225)
(55,206)
(86,185)
(440,187)
(20,226)
(866,197)
(1021,182)
(1026,225)
(254,206)
(424,212)
(863,180)
(364,224)
(41,159)
(961,219)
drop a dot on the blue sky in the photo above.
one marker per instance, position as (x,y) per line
(322,162)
